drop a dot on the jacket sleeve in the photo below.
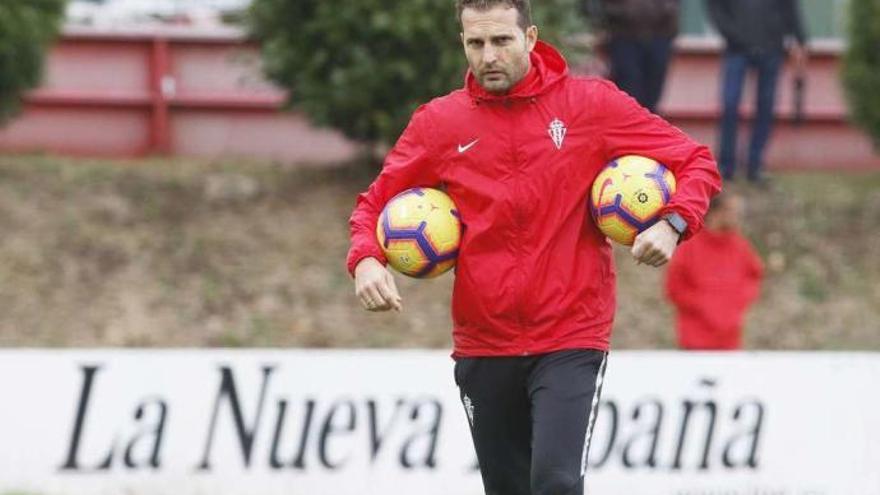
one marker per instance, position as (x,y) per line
(755,273)
(615,11)
(680,289)
(592,10)
(794,21)
(629,129)
(719,12)
(410,163)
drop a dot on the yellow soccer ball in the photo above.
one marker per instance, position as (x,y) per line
(420,231)
(627,196)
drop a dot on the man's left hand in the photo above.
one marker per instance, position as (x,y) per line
(656,244)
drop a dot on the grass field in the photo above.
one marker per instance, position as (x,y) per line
(179,253)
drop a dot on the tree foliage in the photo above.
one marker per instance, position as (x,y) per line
(27,27)
(861,70)
(363,66)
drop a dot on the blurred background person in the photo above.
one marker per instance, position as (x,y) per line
(713,279)
(637,36)
(755,33)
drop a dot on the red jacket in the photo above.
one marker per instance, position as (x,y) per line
(712,280)
(534,274)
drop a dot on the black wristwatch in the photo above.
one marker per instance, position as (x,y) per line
(677,222)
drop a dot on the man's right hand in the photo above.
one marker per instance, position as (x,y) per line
(375,287)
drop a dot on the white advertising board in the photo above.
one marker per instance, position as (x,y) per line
(190,422)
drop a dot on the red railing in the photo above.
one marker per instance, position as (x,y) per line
(167,92)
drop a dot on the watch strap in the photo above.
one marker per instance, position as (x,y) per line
(677,222)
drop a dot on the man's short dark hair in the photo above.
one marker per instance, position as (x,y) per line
(721,200)
(523,7)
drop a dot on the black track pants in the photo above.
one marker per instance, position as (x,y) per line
(531,418)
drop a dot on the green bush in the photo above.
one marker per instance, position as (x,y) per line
(861,71)
(27,27)
(363,66)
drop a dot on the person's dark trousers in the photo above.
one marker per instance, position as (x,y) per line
(638,67)
(735,67)
(531,419)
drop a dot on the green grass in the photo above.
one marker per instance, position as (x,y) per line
(186,253)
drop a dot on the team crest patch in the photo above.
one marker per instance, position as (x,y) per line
(557,132)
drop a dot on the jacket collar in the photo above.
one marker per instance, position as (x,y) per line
(548,68)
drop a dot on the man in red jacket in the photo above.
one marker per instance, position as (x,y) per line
(517,149)
(713,279)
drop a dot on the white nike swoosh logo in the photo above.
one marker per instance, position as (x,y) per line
(462,149)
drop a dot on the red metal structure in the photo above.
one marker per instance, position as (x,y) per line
(167,92)
(181,92)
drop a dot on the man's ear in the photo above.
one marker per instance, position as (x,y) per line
(531,37)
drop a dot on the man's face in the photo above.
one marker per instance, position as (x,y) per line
(497,49)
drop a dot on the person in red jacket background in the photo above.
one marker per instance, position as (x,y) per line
(713,279)
(517,149)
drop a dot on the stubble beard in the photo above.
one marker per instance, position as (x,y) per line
(498,84)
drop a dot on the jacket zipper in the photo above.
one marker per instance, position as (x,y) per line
(519,223)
